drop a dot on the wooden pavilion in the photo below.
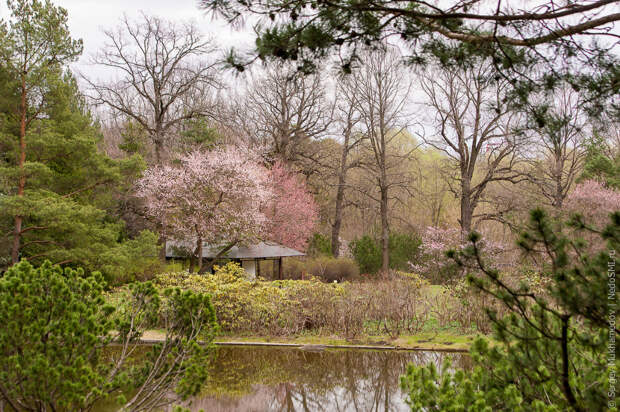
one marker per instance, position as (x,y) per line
(249,256)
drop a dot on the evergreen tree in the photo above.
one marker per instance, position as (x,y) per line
(34,45)
(602,162)
(56,337)
(532,45)
(56,187)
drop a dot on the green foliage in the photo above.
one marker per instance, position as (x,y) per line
(70,185)
(367,254)
(403,249)
(53,322)
(319,245)
(57,330)
(132,260)
(66,191)
(134,139)
(198,134)
(601,163)
(551,350)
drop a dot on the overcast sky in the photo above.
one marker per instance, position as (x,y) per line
(88,17)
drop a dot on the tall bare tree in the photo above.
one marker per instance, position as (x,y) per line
(347,117)
(284,111)
(560,144)
(378,91)
(473,127)
(163,75)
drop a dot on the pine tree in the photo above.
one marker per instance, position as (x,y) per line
(56,188)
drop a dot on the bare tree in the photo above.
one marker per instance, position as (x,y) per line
(348,118)
(163,76)
(378,91)
(284,112)
(472,127)
(560,144)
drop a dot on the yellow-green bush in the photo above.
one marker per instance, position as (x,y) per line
(287,307)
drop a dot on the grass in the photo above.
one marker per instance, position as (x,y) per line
(423,341)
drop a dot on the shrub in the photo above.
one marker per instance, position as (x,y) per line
(133,260)
(292,268)
(367,254)
(320,245)
(404,249)
(330,269)
(56,325)
(289,307)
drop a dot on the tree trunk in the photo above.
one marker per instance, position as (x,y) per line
(338,215)
(162,249)
(22,178)
(207,264)
(558,198)
(342,178)
(199,253)
(467,209)
(385,232)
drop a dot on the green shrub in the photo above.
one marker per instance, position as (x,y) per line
(555,348)
(56,325)
(320,245)
(367,254)
(404,248)
(133,260)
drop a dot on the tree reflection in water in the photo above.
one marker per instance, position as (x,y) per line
(251,379)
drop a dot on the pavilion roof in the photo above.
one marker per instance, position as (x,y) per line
(261,250)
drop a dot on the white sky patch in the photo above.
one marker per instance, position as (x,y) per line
(87,18)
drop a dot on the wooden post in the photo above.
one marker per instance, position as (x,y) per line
(257,263)
(280,268)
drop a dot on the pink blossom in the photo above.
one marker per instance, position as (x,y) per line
(216,196)
(594,201)
(292,212)
(226,196)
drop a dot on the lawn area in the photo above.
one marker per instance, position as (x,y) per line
(422,341)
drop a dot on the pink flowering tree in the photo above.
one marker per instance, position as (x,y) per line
(214,197)
(291,212)
(594,201)
(433,262)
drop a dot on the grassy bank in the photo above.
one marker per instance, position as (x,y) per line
(422,341)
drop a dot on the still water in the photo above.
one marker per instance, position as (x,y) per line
(261,379)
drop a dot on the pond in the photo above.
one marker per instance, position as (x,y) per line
(252,379)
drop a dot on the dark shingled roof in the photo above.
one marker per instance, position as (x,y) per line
(262,250)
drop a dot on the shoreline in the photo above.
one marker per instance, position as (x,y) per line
(456,344)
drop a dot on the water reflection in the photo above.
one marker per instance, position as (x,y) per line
(253,379)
